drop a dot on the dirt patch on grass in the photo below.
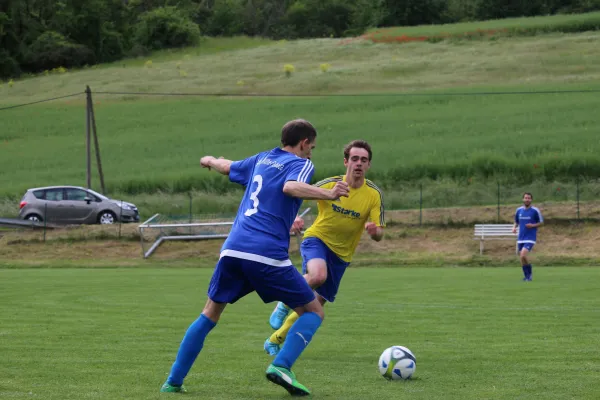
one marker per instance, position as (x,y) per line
(554,212)
(402,245)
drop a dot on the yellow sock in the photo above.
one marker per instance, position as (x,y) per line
(279,335)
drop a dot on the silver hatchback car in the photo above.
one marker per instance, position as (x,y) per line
(74,205)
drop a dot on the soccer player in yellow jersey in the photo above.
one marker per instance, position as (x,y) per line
(329,244)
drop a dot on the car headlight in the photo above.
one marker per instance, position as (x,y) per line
(127,207)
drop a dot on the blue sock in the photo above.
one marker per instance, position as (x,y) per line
(189,349)
(524,271)
(529,271)
(297,339)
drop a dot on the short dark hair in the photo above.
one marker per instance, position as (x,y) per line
(527,193)
(361,144)
(295,131)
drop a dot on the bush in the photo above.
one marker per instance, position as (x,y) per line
(165,27)
(366,14)
(581,6)
(460,11)
(111,46)
(226,19)
(414,12)
(8,65)
(52,50)
(138,51)
(317,18)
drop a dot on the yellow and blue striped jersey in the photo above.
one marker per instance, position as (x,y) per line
(340,223)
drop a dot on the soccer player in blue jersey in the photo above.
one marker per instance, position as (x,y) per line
(255,256)
(527,218)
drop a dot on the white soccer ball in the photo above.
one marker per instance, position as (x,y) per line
(397,362)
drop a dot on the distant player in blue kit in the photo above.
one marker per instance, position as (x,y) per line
(255,256)
(528,218)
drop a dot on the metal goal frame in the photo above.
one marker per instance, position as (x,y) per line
(151,224)
(154,223)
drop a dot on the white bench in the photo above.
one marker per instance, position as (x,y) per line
(485,232)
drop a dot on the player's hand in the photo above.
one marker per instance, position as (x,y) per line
(340,189)
(514,230)
(206,160)
(297,226)
(371,228)
(529,225)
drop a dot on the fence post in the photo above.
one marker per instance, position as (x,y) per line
(120,219)
(498,218)
(577,199)
(45,219)
(190,213)
(421,204)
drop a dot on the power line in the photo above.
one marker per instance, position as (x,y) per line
(348,94)
(540,92)
(40,101)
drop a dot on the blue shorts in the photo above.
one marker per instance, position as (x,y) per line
(234,278)
(528,246)
(312,247)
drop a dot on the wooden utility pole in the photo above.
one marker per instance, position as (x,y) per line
(88,123)
(96,145)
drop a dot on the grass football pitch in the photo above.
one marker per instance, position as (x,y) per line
(476,333)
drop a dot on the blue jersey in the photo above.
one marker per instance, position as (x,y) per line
(265,216)
(525,216)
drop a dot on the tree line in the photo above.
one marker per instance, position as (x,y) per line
(39,35)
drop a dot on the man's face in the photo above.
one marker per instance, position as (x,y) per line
(306,148)
(358,162)
(527,200)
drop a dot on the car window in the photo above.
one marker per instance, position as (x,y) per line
(54,194)
(76,194)
(94,197)
(39,194)
(98,195)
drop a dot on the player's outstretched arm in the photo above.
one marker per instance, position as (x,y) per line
(308,192)
(220,164)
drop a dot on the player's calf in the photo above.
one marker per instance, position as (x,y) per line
(525,248)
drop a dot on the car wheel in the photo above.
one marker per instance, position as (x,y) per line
(106,218)
(34,218)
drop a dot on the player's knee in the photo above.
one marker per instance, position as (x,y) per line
(317,273)
(317,279)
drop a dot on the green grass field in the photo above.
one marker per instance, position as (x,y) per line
(458,146)
(476,333)
(508,26)
(150,146)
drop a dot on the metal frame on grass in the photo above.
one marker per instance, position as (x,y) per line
(148,224)
(154,222)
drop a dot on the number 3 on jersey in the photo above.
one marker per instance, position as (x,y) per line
(254,196)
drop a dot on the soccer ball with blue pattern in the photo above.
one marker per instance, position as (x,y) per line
(397,362)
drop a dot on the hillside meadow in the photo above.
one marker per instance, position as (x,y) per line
(456,116)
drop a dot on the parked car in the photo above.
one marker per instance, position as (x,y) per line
(74,205)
